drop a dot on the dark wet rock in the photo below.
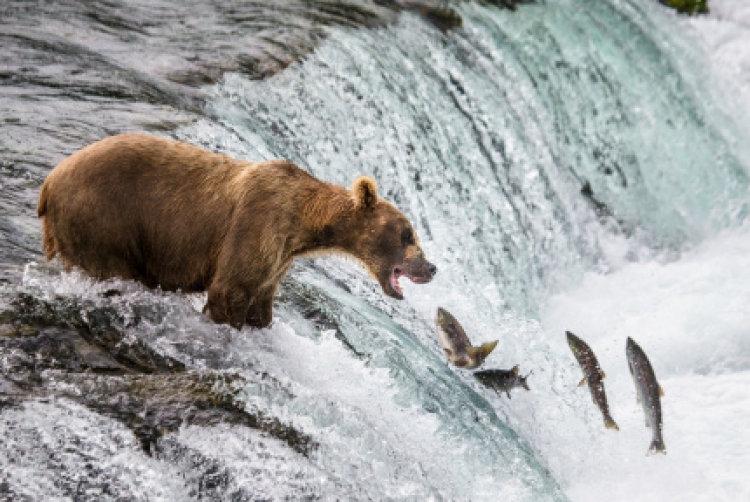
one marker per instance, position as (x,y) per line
(508,4)
(442,17)
(191,43)
(153,405)
(81,352)
(687,6)
(212,478)
(82,336)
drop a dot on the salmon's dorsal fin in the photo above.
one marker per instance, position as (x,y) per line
(602,374)
(661,391)
(582,382)
(515,370)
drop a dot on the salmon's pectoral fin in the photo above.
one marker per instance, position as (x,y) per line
(661,391)
(602,374)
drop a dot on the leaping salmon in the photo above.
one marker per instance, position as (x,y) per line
(649,393)
(502,380)
(593,375)
(457,345)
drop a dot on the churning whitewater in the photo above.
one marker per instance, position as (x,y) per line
(568,166)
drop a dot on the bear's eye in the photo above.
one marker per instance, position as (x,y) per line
(407,237)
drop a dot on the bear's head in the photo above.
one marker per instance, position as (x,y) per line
(385,241)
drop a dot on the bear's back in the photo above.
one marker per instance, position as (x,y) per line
(142,207)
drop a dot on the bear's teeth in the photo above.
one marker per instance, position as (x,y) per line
(394,280)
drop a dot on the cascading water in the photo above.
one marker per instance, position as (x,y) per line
(566,166)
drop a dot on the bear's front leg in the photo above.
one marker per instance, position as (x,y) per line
(227,306)
(260,311)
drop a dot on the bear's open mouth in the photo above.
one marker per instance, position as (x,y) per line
(395,274)
(395,289)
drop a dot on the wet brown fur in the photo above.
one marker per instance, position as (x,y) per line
(170,214)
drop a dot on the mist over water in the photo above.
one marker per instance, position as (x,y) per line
(573,166)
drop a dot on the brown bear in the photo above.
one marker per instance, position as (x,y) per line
(173,215)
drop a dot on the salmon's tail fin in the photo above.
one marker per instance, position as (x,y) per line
(657,446)
(482,351)
(524,381)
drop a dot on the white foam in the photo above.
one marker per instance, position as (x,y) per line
(61,450)
(691,318)
(725,34)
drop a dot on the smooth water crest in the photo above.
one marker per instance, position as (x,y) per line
(567,166)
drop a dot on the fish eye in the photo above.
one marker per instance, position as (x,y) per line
(407,237)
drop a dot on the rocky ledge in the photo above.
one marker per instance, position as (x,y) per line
(51,350)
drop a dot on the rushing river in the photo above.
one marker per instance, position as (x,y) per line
(577,166)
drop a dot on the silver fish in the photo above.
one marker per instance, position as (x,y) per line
(457,345)
(593,375)
(502,380)
(649,393)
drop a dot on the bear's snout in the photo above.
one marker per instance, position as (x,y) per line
(417,268)
(421,273)
(432,269)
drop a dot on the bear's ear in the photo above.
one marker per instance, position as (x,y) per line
(365,192)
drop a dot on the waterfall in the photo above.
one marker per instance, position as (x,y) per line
(568,165)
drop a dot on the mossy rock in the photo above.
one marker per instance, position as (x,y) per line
(687,6)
